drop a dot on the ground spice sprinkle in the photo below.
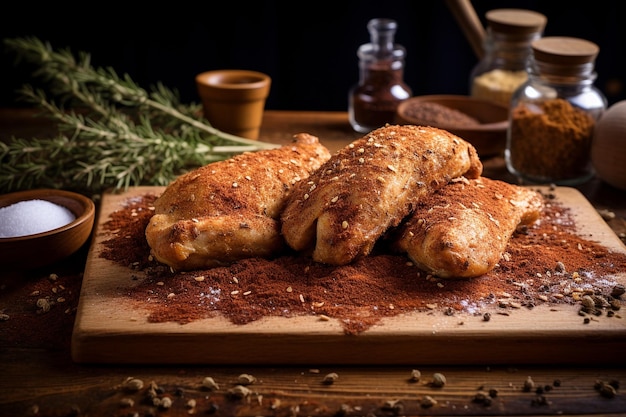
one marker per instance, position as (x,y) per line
(546,263)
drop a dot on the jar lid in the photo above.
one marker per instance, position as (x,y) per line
(516,21)
(563,50)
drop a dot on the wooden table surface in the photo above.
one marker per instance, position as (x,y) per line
(38,377)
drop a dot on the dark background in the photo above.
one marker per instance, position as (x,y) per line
(308,48)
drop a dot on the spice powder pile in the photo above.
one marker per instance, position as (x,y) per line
(431,113)
(548,263)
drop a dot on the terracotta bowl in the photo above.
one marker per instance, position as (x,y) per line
(488,136)
(41,249)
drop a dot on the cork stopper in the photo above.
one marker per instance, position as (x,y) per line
(562,50)
(516,21)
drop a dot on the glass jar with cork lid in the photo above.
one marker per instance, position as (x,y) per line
(553,114)
(507,46)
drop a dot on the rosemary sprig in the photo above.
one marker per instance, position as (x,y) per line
(112,133)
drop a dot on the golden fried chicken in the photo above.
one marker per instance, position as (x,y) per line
(462,230)
(229,210)
(370,186)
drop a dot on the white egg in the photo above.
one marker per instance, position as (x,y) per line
(608,148)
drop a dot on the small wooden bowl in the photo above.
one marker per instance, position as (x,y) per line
(41,249)
(488,137)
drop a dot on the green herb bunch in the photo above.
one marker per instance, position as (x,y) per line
(112,134)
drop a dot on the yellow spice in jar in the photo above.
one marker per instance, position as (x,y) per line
(498,85)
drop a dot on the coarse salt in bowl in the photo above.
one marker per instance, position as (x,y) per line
(40,227)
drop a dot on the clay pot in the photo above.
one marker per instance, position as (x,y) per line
(234,100)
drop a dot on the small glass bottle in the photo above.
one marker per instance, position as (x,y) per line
(502,69)
(553,114)
(373,101)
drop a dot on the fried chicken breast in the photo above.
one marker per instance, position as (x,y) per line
(462,230)
(369,186)
(229,210)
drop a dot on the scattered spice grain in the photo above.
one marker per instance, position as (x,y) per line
(191,404)
(439,380)
(529,384)
(239,392)
(394,406)
(127,402)
(428,402)
(209,383)
(330,378)
(246,379)
(607,389)
(415,375)
(132,384)
(482,397)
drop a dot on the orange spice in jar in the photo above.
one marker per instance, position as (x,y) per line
(554,113)
(561,137)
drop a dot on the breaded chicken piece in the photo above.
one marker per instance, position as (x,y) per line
(462,230)
(229,210)
(370,186)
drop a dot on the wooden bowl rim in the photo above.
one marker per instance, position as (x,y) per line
(439,98)
(54,196)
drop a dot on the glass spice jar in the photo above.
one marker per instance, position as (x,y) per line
(553,114)
(373,101)
(502,69)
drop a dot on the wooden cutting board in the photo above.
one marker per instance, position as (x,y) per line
(110,330)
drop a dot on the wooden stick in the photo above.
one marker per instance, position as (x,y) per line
(466,17)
